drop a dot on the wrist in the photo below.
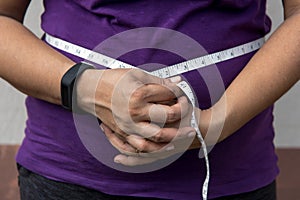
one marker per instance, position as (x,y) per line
(68,91)
(203,117)
(86,87)
(212,124)
(95,89)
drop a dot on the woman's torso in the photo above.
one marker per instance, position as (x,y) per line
(53,148)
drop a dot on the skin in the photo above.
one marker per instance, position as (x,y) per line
(124,98)
(279,70)
(37,70)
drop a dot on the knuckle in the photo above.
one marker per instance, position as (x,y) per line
(142,131)
(161,81)
(123,134)
(171,115)
(158,137)
(134,112)
(122,148)
(137,73)
(122,130)
(143,146)
(138,94)
(166,82)
(118,130)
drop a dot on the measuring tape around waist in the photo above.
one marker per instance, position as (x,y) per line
(166,72)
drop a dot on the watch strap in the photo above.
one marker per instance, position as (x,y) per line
(68,95)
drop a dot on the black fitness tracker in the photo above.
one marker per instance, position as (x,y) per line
(68,96)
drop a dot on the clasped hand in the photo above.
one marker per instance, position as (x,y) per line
(145,117)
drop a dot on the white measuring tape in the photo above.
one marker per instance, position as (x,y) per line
(166,72)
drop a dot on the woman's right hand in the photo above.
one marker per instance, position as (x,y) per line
(127,101)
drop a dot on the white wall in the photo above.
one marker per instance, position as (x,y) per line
(287,109)
(12,112)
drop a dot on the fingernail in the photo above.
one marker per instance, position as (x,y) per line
(170,148)
(175,79)
(101,128)
(191,134)
(117,161)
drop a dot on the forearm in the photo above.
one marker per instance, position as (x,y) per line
(273,70)
(28,63)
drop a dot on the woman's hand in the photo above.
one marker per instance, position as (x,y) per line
(130,155)
(137,150)
(127,101)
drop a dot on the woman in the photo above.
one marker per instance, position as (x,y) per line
(54,163)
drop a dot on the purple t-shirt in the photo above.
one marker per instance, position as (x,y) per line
(243,162)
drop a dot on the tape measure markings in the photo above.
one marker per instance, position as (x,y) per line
(86,54)
(166,72)
(189,93)
(210,59)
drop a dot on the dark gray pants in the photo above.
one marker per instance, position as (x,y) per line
(36,187)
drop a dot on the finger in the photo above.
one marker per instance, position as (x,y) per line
(146,158)
(168,103)
(110,133)
(159,135)
(179,147)
(173,134)
(162,114)
(143,158)
(183,104)
(195,144)
(172,82)
(119,143)
(144,145)
(155,85)
(169,83)
(167,114)
(133,161)
(155,133)
(117,130)
(187,115)
(156,113)
(156,93)
(146,77)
